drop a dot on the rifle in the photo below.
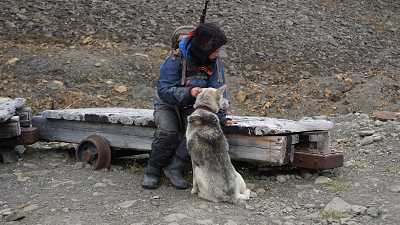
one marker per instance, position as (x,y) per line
(203,15)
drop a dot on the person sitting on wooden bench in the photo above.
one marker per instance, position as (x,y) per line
(193,65)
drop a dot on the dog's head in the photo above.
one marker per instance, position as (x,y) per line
(212,98)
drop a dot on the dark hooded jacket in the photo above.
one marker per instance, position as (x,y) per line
(169,88)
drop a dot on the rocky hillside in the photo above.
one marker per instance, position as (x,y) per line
(284,58)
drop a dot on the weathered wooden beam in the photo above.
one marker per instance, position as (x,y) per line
(252,126)
(10,128)
(8,107)
(266,149)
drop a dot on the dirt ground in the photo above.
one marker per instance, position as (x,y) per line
(285,59)
(50,187)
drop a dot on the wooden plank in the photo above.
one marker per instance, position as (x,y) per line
(316,142)
(11,128)
(246,125)
(125,116)
(74,131)
(8,107)
(269,149)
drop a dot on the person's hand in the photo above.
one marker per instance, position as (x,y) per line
(195,91)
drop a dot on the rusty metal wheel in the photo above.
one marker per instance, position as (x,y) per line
(96,151)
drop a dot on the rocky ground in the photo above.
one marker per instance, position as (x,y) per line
(285,59)
(49,187)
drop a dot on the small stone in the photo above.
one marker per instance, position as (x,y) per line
(79,165)
(260,190)
(97,64)
(315,215)
(377,138)
(379,123)
(309,206)
(66,210)
(358,209)
(97,193)
(351,222)
(303,186)
(30,208)
(281,178)
(109,182)
(6,176)
(230,222)
(276,222)
(55,85)
(250,186)
(20,149)
(203,206)
(126,204)
(349,163)
(96,185)
(253,194)
(175,217)
(373,212)
(395,188)
(338,205)
(247,206)
(306,175)
(204,222)
(6,212)
(14,216)
(288,209)
(322,180)
(365,133)
(367,140)
(386,115)
(22,177)
(54,165)
(12,61)
(30,165)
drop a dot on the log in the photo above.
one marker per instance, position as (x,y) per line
(11,128)
(8,107)
(246,125)
(272,150)
(257,139)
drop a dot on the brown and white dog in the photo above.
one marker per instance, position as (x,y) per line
(214,177)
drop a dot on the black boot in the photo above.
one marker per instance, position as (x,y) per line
(174,172)
(151,179)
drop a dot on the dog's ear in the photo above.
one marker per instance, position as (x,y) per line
(221,90)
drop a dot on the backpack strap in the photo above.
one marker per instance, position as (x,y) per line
(219,72)
(184,70)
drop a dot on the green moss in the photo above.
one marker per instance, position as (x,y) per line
(136,169)
(394,169)
(331,214)
(337,186)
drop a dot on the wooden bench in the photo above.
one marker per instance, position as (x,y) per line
(15,128)
(270,141)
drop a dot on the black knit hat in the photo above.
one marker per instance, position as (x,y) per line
(206,38)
